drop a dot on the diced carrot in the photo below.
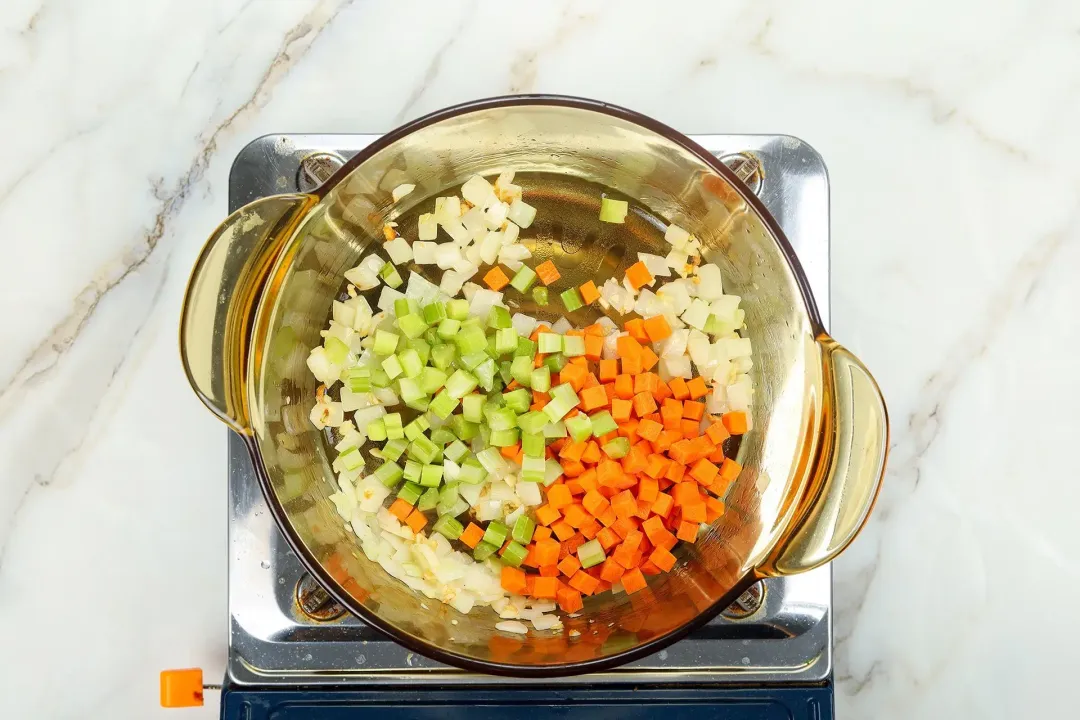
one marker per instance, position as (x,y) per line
(657,328)
(626,555)
(676,471)
(576,516)
(665,440)
(720,487)
(704,471)
(591,528)
(633,580)
(729,469)
(510,451)
(496,279)
(626,345)
(611,571)
(685,492)
(648,359)
(609,369)
(592,453)
(608,538)
(735,422)
(589,293)
(547,551)
(401,510)
(608,517)
(714,508)
(620,410)
(638,275)
(663,504)
(687,531)
(545,587)
(662,392)
(512,580)
(636,460)
(662,559)
(697,388)
(631,364)
(546,515)
(636,328)
(644,404)
(647,568)
(569,565)
(473,535)
(558,495)
(671,411)
(664,539)
(694,512)
(648,490)
(569,600)
(416,521)
(717,455)
(624,526)
(572,452)
(584,583)
(574,487)
(624,504)
(689,428)
(595,503)
(562,529)
(649,429)
(573,542)
(717,432)
(547,272)
(693,410)
(679,388)
(624,386)
(594,398)
(542,532)
(594,347)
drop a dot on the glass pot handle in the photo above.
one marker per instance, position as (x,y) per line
(222,297)
(847,474)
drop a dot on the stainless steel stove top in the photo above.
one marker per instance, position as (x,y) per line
(780,631)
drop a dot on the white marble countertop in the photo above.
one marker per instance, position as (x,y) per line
(955,250)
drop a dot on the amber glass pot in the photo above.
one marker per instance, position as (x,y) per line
(262,288)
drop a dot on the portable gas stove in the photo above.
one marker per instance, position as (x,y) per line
(295,653)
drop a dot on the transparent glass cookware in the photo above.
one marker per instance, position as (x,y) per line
(262,289)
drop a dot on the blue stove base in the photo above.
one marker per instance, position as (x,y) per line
(722,703)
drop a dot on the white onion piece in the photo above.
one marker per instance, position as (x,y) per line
(523,324)
(399,250)
(402,190)
(320,366)
(677,260)
(482,301)
(547,622)
(387,298)
(362,278)
(512,626)
(711,285)
(510,234)
(656,265)
(424,252)
(474,222)
(489,247)
(478,192)
(344,314)
(421,289)
(562,325)
(452,280)
(672,367)
(676,235)
(675,345)
(495,215)
(447,256)
(521,213)
(457,231)
(426,227)
(529,493)
(447,209)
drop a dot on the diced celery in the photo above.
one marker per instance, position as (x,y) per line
(443,404)
(525,347)
(379,378)
(428,500)
(405,306)
(472,360)
(549,343)
(490,349)
(555,363)
(495,533)
(460,506)
(513,554)
(506,341)
(470,339)
(434,312)
(393,449)
(336,350)
(540,379)
(533,469)
(463,428)
(460,384)
(358,379)
(504,371)
(376,430)
(591,553)
(416,428)
(499,317)
(504,438)
(523,279)
(442,436)
(410,363)
(351,459)
(521,368)
(456,450)
(422,348)
(431,379)
(410,493)
(602,423)
(500,418)
(573,346)
(423,450)
(579,427)
(472,472)
(553,472)
(393,426)
(389,473)
(390,276)
(392,367)
(431,475)
(571,299)
(472,407)
(518,400)
(385,343)
(457,309)
(448,527)
(554,429)
(431,336)
(442,356)
(540,295)
(448,328)
(613,211)
(533,444)
(420,404)
(411,326)
(532,422)
(566,393)
(413,470)
(523,530)
(557,409)
(617,448)
(485,374)
(483,551)
(492,461)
